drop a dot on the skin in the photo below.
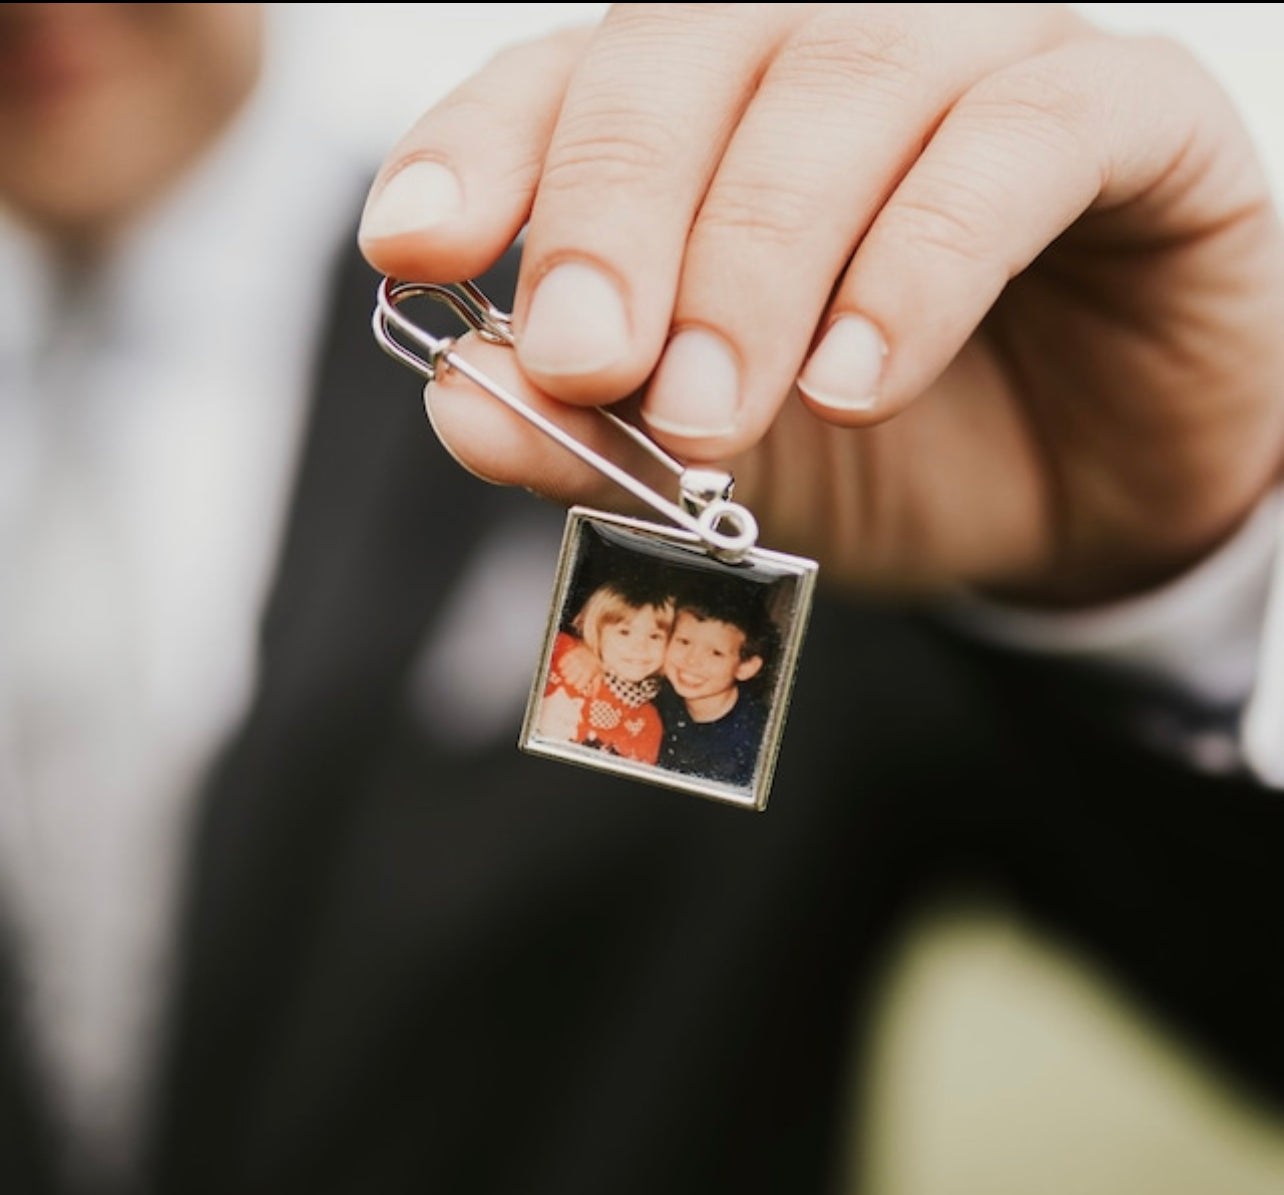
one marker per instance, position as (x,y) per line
(633,648)
(705,667)
(1062,239)
(104,106)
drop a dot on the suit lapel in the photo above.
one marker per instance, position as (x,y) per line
(380,519)
(27,1148)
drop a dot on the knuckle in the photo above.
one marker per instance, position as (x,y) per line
(467,108)
(1035,100)
(773,213)
(844,46)
(959,220)
(670,18)
(610,147)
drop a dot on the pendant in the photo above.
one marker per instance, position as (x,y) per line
(670,650)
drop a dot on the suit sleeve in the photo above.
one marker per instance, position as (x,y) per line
(1213,638)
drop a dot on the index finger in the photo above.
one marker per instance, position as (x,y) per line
(592,147)
(456,190)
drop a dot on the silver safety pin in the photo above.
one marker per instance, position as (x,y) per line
(705,507)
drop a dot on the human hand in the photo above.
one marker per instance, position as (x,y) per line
(580,669)
(560,715)
(1027,277)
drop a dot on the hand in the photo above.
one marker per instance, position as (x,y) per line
(580,669)
(960,293)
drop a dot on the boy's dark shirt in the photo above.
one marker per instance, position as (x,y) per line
(725,749)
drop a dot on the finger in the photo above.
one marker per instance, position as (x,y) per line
(1024,154)
(487,438)
(848,100)
(644,122)
(455,191)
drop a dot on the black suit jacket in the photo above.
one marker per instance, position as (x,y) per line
(415,966)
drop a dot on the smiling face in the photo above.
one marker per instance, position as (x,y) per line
(632,648)
(704,666)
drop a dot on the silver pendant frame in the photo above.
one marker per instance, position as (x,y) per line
(595,541)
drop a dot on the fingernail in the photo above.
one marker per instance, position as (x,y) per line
(421,195)
(575,323)
(696,391)
(847,367)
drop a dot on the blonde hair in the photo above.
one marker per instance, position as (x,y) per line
(609,604)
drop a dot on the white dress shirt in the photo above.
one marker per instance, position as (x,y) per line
(149,414)
(150,417)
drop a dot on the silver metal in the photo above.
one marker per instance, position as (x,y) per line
(705,508)
(661,551)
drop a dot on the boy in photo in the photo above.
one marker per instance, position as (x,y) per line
(713,717)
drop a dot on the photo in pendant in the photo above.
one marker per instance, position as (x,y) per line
(663,663)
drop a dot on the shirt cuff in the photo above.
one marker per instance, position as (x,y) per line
(1203,636)
(1262,729)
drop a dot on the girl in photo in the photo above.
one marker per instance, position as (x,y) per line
(608,701)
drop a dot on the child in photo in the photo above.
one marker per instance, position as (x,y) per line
(713,719)
(627,634)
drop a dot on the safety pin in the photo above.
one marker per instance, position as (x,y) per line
(705,508)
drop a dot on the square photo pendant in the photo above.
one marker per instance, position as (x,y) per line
(665,664)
